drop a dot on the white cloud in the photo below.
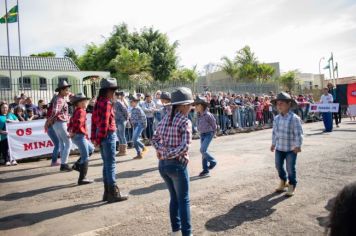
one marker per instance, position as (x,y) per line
(295,33)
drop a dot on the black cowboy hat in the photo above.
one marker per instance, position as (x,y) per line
(77,98)
(166,96)
(133,99)
(62,84)
(108,83)
(200,100)
(182,96)
(284,97)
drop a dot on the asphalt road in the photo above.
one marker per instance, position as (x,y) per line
(237,199)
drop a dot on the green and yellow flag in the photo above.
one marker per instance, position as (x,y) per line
(10,17)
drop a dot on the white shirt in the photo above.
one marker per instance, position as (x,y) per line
(327,98)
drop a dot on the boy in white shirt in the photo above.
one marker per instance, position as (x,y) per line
(327,116)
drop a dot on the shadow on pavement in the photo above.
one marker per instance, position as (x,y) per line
(245,212)
(156,187)
(31,193)
(130,174)
(27,219)
(27,177)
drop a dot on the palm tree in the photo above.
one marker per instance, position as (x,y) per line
(265,71)
(229,67)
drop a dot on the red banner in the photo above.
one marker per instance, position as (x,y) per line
(351,94)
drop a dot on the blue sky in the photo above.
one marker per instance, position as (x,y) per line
(295,33)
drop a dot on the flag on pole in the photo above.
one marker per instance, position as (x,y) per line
(326,67)
(11,16)
(331,57)
(336,67)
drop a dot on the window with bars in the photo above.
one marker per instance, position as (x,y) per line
(43,83)
(25,83)
(5,83)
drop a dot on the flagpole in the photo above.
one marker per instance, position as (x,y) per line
(8,41)
(19,36)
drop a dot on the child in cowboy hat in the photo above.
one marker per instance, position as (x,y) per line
(139,122)
(103,135)
(206,124)
(287,139)
(171,141)
(78,132)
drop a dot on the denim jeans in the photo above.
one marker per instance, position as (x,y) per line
(136,138)
(176,177)
(60,127)
(108,150)
(328,121)
(121,128)
(52,135)
(291,160)
(149,129)
(237,118)
(158,116)
(85,147)
(208,160)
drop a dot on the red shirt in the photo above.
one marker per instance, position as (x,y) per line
(103,120)
(77,123)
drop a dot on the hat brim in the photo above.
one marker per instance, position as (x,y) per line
(79,100)
(67,86)
(294,103)
(200,103)
(186,102)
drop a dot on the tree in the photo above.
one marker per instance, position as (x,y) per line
(44,54)
(265,71)
(70,52)
(288,80)
(185,75)
(229,67)
(247,63)
(131,62)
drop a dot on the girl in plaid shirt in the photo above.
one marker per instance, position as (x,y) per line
(172,140)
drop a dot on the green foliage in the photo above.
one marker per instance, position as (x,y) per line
(185,75)
(70,52)
(229,67)
(265,72)
(149,42)
(44,54)
(288,80)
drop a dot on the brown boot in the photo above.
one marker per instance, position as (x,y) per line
(138,157)
(122,150)
(105,195)
(114,195)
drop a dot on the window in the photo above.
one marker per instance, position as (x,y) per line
(5,83)
(43,83)
(25,83)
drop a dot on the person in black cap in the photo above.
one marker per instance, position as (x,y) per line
(103,135)
(287,140)
(79,134)
(171,141)
(207,126)
(166,102)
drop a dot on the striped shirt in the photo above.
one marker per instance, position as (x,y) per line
(172,141)
(287,132)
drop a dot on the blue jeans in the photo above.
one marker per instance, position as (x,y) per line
(85,147)
(52,135)
(60,128)
(291,160)
(149,129)
(176,177)
(138,129)
(205,140)
(158,116)
(108,150)
(328,121)
(121,128)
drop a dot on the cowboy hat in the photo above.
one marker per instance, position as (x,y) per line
(108,83)
(62,84)
(182,96)
(200,100)
(165,96)
(77,98)
(284,97)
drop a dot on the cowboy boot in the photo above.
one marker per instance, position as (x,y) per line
(83,170)
(76,165)
(105,195)
(122,150)
(114,195)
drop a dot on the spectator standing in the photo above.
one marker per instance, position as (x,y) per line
(121,118)
(149,107)
(166,103)
(327,98)
(337,115)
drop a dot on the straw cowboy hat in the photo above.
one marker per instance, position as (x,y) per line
(182,96)
(108,83)
(78,97)
(284,97)
(62,84)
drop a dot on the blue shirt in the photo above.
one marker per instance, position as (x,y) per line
(287,132)
(138,117)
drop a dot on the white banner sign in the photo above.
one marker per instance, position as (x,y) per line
(29,139)
(324,107)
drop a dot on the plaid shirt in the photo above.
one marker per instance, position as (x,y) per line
(172,141)
(103,120)
(138,117)
(77,123)
(59,109)
(287,132)
(206,122)
(121,112)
